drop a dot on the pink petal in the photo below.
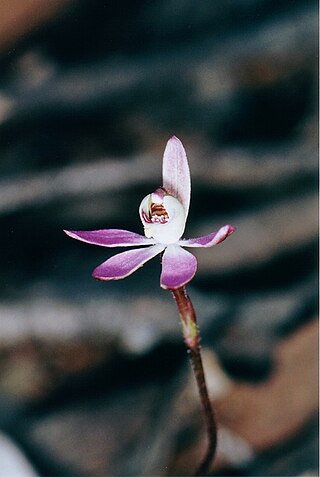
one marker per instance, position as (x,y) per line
(178,267)
(110,237)
(125,263)
(175,172)
(209,240)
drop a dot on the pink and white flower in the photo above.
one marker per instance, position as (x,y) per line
(163,214)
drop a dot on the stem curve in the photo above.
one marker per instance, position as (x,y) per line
(192,340)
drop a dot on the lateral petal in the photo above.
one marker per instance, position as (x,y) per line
(124,264)
(178,267)
(110,237)
(210,239)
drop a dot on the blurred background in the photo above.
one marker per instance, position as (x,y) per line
(94,377)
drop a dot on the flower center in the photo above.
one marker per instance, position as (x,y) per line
(163,217)
(158,214)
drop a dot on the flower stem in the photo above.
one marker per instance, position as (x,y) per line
(192,340)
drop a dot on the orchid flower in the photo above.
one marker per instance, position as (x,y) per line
(163,214)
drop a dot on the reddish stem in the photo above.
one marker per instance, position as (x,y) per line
(192,339)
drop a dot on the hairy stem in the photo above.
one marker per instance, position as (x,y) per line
(192,340)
